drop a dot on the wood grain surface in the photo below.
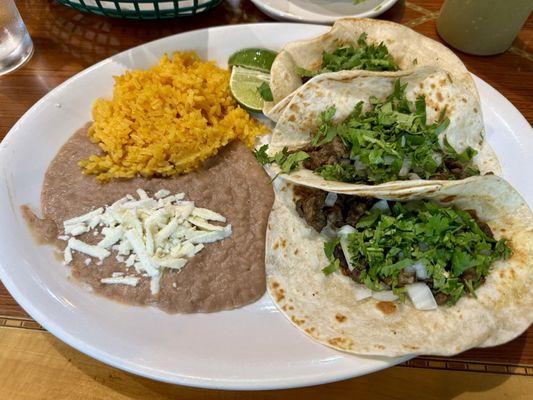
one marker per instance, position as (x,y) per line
(34,365)
(42,367)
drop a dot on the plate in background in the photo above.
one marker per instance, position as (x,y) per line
(322,11)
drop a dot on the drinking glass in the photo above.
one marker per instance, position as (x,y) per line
(482,27)
(16,46)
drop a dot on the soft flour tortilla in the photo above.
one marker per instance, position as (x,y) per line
(300,119)
(404,44)
(324,307)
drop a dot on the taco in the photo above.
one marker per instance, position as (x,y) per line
(360,131)
(437,273)
(366,44)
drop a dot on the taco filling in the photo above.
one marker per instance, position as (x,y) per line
(365,56)
(434,254)
(390,141)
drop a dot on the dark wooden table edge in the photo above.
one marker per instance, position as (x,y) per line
(425,362)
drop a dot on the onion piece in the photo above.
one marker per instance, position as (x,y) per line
(359,166)
(343,235)
(331,198)
(388,159)
(421,296)
(361,292)
(328,232)
(384,295)
(382,205)
(437,158)
(404,170)
(419,269)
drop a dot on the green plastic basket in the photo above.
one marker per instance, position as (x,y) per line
(142,9)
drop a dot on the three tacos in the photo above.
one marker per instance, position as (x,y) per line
(342,120)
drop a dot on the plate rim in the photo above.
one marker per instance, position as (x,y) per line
(194,381)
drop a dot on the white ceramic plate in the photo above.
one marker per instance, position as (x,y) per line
(322,11)
(254,347)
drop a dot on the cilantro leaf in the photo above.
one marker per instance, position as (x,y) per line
(305,73)
(329,247)
(286,160)
(265,92)
(292,160)
(326,133)
(331,267)
(261,155)
(461,261)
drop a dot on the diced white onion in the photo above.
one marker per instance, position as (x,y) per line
(388,159)
(437,157)
(382,205)
(328,232)
(361,292)
(404,170)
(384,295)
(343,235)
(419,269)
(421,296)
(331,198)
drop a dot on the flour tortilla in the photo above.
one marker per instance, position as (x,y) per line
(324,307)
(300,119)
(404,44)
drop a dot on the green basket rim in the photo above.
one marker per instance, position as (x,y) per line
(156,13)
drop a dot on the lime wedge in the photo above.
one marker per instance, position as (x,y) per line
(256,59)
(243,87)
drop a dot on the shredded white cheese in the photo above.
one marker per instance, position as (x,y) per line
(149,234)
(122,280)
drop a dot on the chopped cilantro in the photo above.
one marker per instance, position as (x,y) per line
(455,251)
(331,267)
(389,142)
(261,155)
(265,92)
(326,132)
(286,160)
(292,161)
(365,56)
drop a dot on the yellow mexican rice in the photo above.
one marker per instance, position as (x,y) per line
(166,120)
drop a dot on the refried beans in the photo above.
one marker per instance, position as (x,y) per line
(224,275)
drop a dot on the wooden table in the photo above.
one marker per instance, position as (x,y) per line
(35,365)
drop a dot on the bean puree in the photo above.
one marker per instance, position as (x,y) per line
(224,275)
